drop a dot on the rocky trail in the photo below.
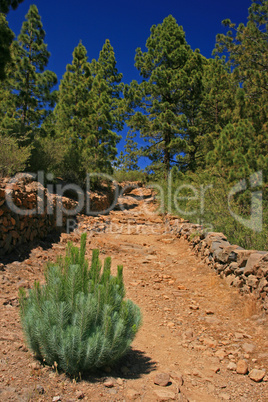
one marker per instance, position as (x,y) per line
(200,339)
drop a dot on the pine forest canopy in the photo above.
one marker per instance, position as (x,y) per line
(189,111)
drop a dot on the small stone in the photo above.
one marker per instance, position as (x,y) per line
(35,366)
(220,354)
(196,373)
(248,347)
(188,334)
(256,375)
(40,389)
(109,383)
(162,379)
(80,395)
(231,366)
(210,342)
(177,376)
(209,312)
(120,381)
(132,394)
(194,307)
(225,397)
(164,395)
(215,368)
(238,335)
(56,399)
(242,367)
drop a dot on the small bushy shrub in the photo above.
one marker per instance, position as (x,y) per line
(79,319)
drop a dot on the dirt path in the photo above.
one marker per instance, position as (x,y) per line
(195,327)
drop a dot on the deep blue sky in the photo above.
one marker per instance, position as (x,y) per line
(126,24)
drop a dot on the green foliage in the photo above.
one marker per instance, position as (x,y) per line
(5,5)
(6,37)
(168,98)
(13,159)
(79,319)
(128,161)
(29,83)
(71,116)
(132,175)
(89,112)
(203,198)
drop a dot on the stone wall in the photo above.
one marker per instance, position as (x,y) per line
(17,229)
(246,270)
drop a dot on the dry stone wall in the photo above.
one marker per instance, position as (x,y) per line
(24,194)
(246,270)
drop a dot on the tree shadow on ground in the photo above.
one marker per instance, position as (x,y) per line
(23,251)
(131,366)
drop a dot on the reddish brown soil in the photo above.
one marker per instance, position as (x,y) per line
(194,324)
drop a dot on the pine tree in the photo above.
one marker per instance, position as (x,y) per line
(247,49)
(132,152)
(5,5)
(107,113)
(218,105)
(128,161)
(30,83)
(79,318)
(6,38)
(72,115)
(168,97)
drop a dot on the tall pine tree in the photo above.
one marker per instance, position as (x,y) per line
(72,117)
(128,161)
(168,97)
(107,111)
(30,83)
(247,50)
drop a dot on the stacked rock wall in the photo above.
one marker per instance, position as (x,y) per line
(246,270)
(24,194)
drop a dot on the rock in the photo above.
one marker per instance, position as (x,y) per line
(253,259)
(242,367)
(252,281)
(229,279)
(224,396)
(209,312)
(109,383)
(231,366)
(132,394)
(56,398)
(215,368)
(40,389)
(188,334)
(177,376)
(120,381)
(35,366)
(80,394)
(162,379)
(220,354)
(194,307)
(197,373)
(248,347)
(263,282)
(164,395)
(256,375)
(210,342)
